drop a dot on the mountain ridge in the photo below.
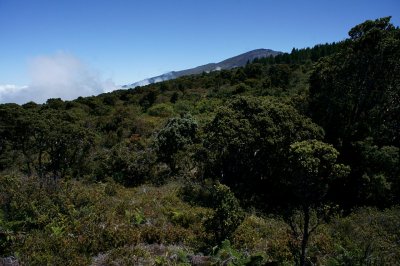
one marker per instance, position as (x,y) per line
(232,62)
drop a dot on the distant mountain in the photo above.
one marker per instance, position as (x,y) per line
(236,61)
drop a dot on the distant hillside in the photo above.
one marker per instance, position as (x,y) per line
(236,61)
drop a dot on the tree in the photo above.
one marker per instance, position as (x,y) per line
(55,103)
(280,75)
(247,144)
(45,140)
(380,171)
(23,137)
(355,97)
(174,97)
(176,135)
(66,148)
(355,93)
(148,100)
(313,167)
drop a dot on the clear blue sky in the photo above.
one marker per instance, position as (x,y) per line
(131,40)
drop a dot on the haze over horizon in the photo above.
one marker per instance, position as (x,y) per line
(73,48)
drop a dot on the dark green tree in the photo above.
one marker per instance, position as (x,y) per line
(23,135)
(174,136)
(313,167)
(247,144)
(148,100)
(55,103)
(280,75)
(380,173)
(355,93)
(46,141)
(355,96)
(67,148)
(174,97)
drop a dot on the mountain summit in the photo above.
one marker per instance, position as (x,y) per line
(236,61)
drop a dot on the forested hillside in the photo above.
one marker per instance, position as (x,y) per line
(292,159)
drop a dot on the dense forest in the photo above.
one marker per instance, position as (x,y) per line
(292,159)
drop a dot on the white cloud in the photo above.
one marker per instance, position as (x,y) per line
(9,92)
(60,75)
(10,88)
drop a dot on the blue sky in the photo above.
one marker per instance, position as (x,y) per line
(123,41)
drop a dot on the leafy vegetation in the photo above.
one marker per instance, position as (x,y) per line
(292,159)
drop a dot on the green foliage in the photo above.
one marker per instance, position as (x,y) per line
(148,100)
(280,75)
(269,237)
(146,255)
(56,103)
(226,255)
(313,168)
(354,95)
(128,163)
(176,135)
(161,110)
(380,172)
(48,142)
(227,216)
(367,237)
(369,26)
(301,56)
(110,187)
(174,97)
(136,216)
(247,144)
(183,107)
(72,222)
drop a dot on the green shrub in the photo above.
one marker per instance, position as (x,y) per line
(161,110)
(183,107)
(367,237)
(225,254)
(128,163)
(111,187)
(267,236)
(227,216)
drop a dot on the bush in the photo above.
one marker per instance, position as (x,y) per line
(129,164)
(227,216)
(268,236)
(367,237)
(161,110)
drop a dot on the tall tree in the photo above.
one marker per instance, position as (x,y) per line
(355,97)
(247,144)
(312,169)
(355,93)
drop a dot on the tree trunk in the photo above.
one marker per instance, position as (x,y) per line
(306,234)
(28,161)
(40,168)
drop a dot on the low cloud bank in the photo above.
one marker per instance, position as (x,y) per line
(60,75)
